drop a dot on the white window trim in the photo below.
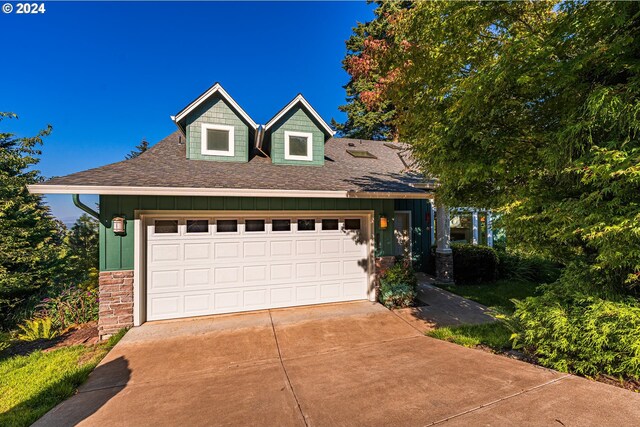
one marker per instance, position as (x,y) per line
(203,145)
(308,135)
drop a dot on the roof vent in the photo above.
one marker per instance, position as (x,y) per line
(351,144)
(361,154)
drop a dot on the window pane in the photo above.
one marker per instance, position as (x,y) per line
(281,225)
(352,224)
(254,225)
(166,226)
(197,226)
(297,146)
(306,225)
(227,225)
(329,224)
(217,140)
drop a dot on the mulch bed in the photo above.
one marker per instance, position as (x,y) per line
(86,334)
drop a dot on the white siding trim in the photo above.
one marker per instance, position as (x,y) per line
(309,108)
(204,140)
(202,98)
(308,135)
(235,192)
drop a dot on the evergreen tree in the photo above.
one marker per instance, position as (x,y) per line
(83,259)
(140,148)
(31,254)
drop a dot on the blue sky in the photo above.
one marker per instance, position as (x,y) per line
(106,75)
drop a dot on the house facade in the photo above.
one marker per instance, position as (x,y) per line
(226,215)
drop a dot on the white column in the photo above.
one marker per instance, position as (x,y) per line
(489,230)
(433,223)
(474,223)
(444,229)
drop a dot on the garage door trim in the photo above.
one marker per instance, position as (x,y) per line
(140,241)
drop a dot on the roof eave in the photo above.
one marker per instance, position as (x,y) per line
(186,191)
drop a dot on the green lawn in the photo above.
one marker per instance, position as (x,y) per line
(31,385)
(496,296)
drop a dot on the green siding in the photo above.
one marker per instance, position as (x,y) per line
(116,252)
(296,120)
(420,229)
(216,111)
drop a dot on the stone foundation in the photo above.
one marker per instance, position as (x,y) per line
(382,264)
(444,266)
(116,302)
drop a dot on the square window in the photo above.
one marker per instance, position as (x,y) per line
(298,146)
(329,224)
(306,225)
(254,225)
(281,225)
(352,224)
(197,226)
(165,226)
(217,140)
(227,225)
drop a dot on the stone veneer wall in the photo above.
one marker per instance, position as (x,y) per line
(116,302)
(444,267)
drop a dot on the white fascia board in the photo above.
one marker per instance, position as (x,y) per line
(237,192)
(308,106)
(215,88)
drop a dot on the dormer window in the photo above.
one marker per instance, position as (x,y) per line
(298,146)
(217,140)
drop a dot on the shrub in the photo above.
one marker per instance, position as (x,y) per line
(72,306)
(572,328)
(532,268)
(398,286)
(37,328)
(474,263)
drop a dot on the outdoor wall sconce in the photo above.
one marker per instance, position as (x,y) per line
(383,222)
(118,225)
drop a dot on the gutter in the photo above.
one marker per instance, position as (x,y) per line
(87,209)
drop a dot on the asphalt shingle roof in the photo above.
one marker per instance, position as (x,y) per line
(165,165)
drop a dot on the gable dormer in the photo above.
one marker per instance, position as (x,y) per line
(216,127)
(296,135)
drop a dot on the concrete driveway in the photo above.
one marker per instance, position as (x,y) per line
(352,364)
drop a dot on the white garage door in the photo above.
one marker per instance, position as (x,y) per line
(220,264)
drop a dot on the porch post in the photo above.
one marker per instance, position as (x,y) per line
(489,230)
(474,223)
(444,255)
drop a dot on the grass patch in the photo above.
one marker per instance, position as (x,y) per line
(495,335)
(496,295)
(33,384)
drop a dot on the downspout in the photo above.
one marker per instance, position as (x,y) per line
(87,209)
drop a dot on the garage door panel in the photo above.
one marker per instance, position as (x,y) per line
(306,270)
(281,248)
(281,271)
(165,280)
(162,252)
(255,273)
(306,247)
(194,274)
(225,250)
(197,277)
(196,251)
(226,275)
(255,250)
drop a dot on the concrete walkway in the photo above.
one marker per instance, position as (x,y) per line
(442,308)
(352,364)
